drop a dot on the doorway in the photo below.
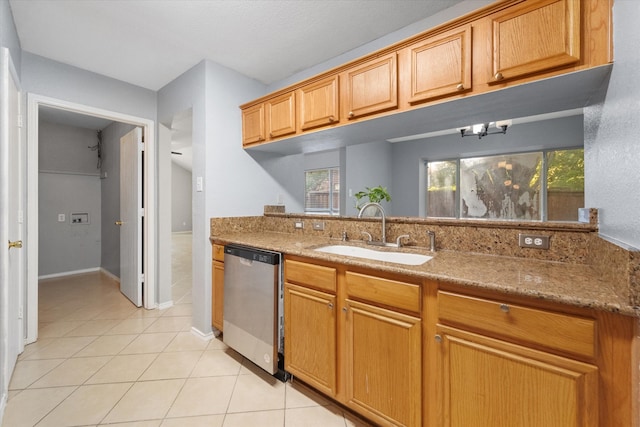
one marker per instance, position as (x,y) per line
(35,102)
(181,206)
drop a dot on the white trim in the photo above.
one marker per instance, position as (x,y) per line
(165,305)
(3,405)
(205,337)
(34,101)
(69,273)
(110,274)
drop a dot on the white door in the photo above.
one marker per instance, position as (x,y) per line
(131,214)
(11,212)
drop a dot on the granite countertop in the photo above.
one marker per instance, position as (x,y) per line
(575,284)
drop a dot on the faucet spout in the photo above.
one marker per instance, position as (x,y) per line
(384,217)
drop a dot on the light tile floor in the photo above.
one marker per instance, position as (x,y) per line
(99,360)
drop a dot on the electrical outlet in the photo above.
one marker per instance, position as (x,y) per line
(298,225)
(318,225)
(533,241)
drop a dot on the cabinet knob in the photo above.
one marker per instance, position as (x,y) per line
(438,339)
(270,135)
(332,119)
(498,76)
(344,309)
(330,305)
(504,308)
(351,114)
(460,86)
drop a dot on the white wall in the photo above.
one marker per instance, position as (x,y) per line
(9,35)
(612,129)
(69,183)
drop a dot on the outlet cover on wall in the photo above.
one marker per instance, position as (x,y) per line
(61,217)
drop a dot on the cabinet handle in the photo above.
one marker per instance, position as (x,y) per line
(498,76)
(438,339)
(351,114)
(330,305)
(344,309)
(460,86)
(504,308)
(332,119)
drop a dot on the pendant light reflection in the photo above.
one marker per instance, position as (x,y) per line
(482,129)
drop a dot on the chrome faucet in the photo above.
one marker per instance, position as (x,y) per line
(432,240)
(384,221)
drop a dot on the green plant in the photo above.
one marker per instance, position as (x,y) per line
(375,194)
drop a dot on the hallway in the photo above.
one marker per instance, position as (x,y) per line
(100,360)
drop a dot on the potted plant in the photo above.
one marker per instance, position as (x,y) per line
(375,194)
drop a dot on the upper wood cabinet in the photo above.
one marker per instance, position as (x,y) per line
(371,87)
(253,124)
(503,44)
(535,36)
(318,103)
(439,66)
(281,115)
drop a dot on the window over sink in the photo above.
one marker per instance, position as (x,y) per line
(322,191)
(535,186)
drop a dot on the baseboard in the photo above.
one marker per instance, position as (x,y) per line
(197,332)
(69,273)
(165,305)
(110,274)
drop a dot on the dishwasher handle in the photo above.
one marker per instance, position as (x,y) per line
(252,254)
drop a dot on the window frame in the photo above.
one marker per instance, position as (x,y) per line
(543,184)
(331,210)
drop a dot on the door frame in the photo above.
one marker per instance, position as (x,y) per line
(150,261)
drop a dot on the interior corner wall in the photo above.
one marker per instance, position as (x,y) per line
(9,35)
(611,137)
(110,190)
(69,183)
(181,211)
(368,165)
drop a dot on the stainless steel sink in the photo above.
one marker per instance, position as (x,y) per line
(388,256)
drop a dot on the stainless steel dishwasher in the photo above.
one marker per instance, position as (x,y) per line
(253,306)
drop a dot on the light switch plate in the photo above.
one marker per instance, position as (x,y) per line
(61,218)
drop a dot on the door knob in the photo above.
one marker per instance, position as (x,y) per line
(17,244)
(118,222)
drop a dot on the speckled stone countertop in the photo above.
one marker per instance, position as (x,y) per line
(575,284)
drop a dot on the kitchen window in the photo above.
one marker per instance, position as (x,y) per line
(322,191)
(536,186)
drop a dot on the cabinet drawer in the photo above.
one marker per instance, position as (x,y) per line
(316,276)
(405,296)
(218,253)
(562,332)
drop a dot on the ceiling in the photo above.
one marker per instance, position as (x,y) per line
(149,43)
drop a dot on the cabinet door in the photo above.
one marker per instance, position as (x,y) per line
(318,103)
(384,364)
(253,124)
(372,87)
(217,295)
(535,36)
(310,337)
(493,383)
(441,65)
(281,115)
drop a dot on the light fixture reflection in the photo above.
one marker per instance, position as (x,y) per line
(482,129)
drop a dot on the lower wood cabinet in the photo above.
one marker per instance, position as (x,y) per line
(364,352)
(383,364)
(310,336)
(496,383)
(217,287)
